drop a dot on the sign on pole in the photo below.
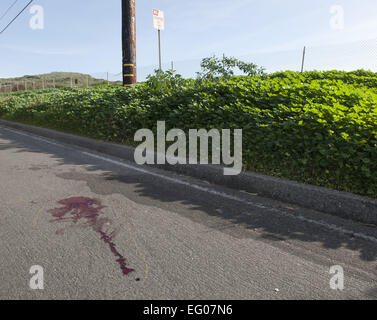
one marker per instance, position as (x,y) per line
(158,19)
(159,24)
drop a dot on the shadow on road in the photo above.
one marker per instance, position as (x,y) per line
(234,218)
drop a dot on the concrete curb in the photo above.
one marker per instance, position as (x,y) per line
(342,204)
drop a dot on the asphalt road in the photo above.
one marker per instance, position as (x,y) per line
(184,239)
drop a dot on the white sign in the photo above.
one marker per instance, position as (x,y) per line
(158,19)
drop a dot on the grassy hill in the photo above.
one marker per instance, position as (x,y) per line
(53,79)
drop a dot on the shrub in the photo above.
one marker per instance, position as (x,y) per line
(315,127)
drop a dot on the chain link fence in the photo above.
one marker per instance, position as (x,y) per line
(56,80)
(347,57)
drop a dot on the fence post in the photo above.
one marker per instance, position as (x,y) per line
(303,60)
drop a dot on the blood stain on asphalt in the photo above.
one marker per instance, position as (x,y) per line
(80,208)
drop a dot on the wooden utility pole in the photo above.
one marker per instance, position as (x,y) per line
(129,42)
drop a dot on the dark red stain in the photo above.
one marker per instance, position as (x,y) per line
(79,208)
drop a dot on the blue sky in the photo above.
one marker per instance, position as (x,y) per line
(85,35)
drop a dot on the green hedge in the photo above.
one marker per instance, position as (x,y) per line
(315,127)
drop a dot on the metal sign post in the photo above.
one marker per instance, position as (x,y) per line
(159,50)
(159,24)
